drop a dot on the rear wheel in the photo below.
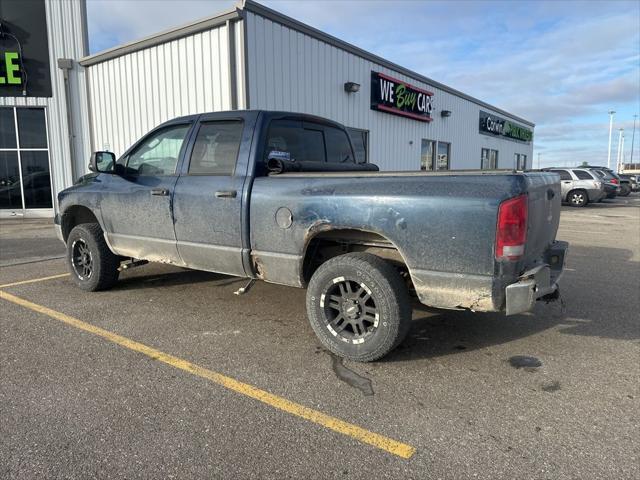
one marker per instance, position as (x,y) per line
(358,306)
(625,190)
(577,198)
(93,266)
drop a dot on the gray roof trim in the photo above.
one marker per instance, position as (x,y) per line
(258,9)
(162,37)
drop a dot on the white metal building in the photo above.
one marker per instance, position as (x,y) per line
(251,57)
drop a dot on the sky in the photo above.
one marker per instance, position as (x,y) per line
(560,64)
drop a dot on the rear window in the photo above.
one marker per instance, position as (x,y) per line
(338,146)
(583,175)
(564,175)
(291,140)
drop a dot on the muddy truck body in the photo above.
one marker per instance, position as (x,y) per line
(278,197)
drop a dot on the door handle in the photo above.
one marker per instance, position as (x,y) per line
(226,194)
(160,192)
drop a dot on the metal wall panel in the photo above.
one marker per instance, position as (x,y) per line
(66,27)
(131,94)
(290,70)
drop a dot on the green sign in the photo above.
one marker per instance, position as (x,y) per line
(493,125)
(10,68)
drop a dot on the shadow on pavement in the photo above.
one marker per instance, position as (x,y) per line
(599,299)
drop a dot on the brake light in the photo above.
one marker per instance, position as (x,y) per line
(511,231)
(614,180)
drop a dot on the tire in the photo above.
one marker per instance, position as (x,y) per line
(625,191)
(92,265)
(358,306)
(577,198)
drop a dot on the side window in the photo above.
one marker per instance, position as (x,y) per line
(564,175)
(583,175)
(290,139)
(360,141)
(216,148)
(338,146)
(158,153)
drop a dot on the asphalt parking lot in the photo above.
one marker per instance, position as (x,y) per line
(171,375)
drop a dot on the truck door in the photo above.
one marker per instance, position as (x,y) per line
(136,203)
(207,203)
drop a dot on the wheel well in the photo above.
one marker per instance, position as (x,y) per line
(331,243)
(75,215)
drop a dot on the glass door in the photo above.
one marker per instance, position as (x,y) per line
(25,175)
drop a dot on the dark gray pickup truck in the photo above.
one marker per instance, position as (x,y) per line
(279,197)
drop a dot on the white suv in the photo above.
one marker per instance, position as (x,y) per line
(579,186)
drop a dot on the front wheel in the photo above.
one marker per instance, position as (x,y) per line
(93,266)
(358,306)
(577,198)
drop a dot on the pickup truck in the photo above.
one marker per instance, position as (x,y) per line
(201,192)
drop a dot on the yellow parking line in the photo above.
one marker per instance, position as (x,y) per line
(365,436)
(34,280)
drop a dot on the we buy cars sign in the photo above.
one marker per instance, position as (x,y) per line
(394,96)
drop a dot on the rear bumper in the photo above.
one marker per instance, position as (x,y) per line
(538,282)
(596,194)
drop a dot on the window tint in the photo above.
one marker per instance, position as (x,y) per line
(290,139)
(359,140)
(564,175)
(216,148)
(338,146)
(7,128)
(158,153)
(32,128)
(583,175)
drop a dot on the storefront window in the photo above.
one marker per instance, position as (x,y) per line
(489,159)
(426,154)
(25,179)
(521,161)
(443,155)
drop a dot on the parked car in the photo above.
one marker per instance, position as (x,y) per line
(277,196)
(579,186)
(632,179)
(613,186)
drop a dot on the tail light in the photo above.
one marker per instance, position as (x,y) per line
(511,232)
(614,181)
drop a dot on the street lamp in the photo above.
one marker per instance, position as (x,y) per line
(611,114)
(620,137)
(633,137)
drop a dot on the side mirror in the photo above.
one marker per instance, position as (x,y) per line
(102,162)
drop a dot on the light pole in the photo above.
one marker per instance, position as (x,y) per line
(620,137)
(633,137)
(611,114)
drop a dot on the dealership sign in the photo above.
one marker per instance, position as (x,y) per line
(394,96)
(493,125)
(24,49)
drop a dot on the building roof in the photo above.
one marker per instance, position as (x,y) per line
(258,9)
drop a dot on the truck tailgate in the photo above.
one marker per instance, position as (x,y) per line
(544,213)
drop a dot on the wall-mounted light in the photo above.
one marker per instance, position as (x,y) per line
(445,113)
(351,87)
